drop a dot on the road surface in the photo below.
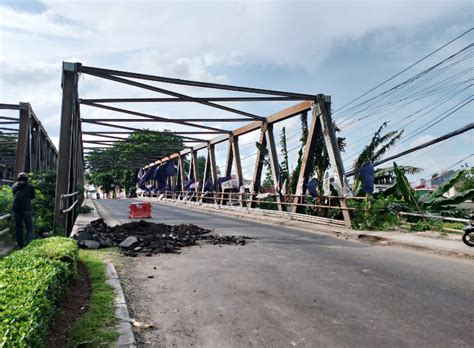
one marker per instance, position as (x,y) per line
(289,288)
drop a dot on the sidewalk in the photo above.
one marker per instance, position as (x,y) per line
(433,242)
(451,245)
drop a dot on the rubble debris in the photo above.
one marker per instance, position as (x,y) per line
(129,242)
(143,237)
(89,243)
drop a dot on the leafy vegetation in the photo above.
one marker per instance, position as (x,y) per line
(321,161)
(6,203)
(31,282)
(96,327)
(376,213)
(454,225)
(375,150)
(43,205)
(427,225)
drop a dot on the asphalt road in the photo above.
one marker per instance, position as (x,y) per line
(289,288)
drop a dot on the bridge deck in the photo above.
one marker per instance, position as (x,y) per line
(293,288)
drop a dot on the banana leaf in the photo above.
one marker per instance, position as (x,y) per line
(459,198)
(438,193)
(403,187)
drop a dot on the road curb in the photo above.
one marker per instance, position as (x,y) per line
(124,328)
(334,231)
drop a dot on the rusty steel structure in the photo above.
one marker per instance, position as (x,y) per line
(194,132)
(24,143)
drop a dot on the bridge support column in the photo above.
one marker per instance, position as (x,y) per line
(257,172)
(332,146)
(65,179)
(238,166)
(274,164)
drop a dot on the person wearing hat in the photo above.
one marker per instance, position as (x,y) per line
(23,193)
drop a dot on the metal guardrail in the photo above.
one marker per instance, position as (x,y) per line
(69,195)
(67,210)
(436,217)
(261,212)
(6,216)
(5,230)
(445,218)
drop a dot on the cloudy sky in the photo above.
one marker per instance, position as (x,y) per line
(339,48)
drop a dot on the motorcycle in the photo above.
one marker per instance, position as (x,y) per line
(468,236)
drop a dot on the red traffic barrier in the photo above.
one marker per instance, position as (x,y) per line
(139,211)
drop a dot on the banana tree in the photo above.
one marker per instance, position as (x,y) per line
(436,199)
(377,147)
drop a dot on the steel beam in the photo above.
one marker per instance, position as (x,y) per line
(274,163)
(179,100)
(65,156)
(322,110)
(258,168)
(151,117)
(87,69)
(173,94)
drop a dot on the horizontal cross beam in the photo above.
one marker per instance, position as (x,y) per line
(152,131)
(179,100)
(87,69)
(175,94)
(92,120)
(157,118)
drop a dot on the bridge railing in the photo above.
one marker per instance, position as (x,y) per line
(64,201)
(7,229)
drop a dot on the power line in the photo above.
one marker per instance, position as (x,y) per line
(407,68)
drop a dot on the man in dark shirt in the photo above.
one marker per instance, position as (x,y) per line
(23,193)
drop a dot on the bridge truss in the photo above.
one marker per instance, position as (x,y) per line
(196,134)
(24,143)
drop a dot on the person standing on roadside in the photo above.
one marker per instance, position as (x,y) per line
(23,193)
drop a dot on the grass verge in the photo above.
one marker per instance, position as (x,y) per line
(97,326)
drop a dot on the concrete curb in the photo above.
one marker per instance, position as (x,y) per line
(126,338)
(124,328)
(336,231)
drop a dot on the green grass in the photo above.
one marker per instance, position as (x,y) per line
(97,326)
(454,225)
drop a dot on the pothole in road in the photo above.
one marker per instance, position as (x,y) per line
(143,237)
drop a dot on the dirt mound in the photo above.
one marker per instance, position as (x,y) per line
(149,238)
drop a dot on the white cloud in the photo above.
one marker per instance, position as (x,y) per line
(421,139)
(182,39)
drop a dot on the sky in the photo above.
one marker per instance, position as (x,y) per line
(337,48)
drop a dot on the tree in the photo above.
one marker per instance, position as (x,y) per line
(321,160)
(284,166)
(468,182)
(387,175)
(377,147)
(7,151)
(119,164)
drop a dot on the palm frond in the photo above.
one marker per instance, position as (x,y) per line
(380,172)
(394,137)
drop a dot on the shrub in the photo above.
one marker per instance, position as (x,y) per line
(31,282)
(427,225)
(377,214)
(6,203)
(43,205)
